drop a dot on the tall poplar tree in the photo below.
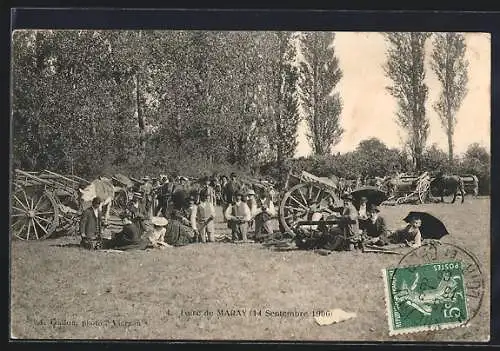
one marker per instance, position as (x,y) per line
(451,68)
(322,105)
(405,67)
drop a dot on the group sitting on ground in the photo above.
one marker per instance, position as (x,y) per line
(363,224)
(187,220)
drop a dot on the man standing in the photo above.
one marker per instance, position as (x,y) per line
(205,216)
(231,188)
(147,193)
(90,226)
(209,190)
(238,214)
(358,182)
(163,196)
(341,186)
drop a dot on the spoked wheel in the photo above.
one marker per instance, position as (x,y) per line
(301,201)
(35,214)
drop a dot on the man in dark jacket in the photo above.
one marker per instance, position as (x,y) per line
(129,238)
(231,188)
(375,227)
(90,226)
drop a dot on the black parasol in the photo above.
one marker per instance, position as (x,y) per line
(372,193)
(431,228)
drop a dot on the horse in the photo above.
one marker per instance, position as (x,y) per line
(448,184)
(102,188)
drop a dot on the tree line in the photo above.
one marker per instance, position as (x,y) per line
(191,102)
(372,158)
(92,101)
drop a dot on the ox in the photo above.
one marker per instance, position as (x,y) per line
(448,185)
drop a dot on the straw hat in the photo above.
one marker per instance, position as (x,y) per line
(159,221)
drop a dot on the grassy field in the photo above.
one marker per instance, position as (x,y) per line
(166,294)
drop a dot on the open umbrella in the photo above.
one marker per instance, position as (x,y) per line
(431,228)
(372,193)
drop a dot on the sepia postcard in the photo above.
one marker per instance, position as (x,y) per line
(250,185)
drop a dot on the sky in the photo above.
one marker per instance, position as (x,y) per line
(370,111)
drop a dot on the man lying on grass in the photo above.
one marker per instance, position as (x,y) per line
(409,235)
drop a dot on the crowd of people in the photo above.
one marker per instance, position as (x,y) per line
(177,211)
(357,223)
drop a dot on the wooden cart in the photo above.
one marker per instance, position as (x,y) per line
(305,194)
(43,203)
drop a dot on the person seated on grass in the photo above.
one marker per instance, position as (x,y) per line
(409,235)
(91,225)
(346,235)
(178,231)
(375,228)
(263,214)
(238,215)
(130,237)
(155,238)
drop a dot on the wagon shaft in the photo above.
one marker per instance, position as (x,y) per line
(326,222)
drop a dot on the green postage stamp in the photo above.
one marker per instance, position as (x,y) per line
(425,297)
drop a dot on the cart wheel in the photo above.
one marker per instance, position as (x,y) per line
(35,214)
(301,201)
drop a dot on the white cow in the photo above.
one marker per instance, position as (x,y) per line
(102,188)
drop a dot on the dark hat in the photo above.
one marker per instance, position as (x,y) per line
(373,208)
(233,174)
(96,200)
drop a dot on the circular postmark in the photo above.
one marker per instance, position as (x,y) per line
(435,284)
